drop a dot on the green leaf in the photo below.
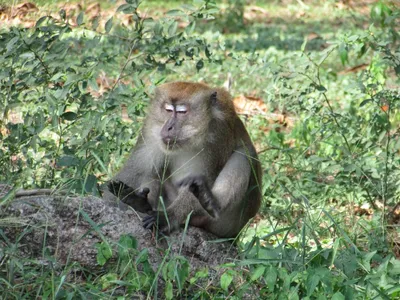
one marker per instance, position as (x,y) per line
(79,19)
(125,244)
(40,21)
(107,280)
(27,55)
(62,14)
(199,65)
(366,260)
(349,168)
(158,29)
(93,84)
(333,168)
(168,270)
(325,54)
(69,116)
(95,22)
(67,161)
(11,43)
(258,272)
(303,46)
(182,271)
(133,2)
(312,282)
(397,145)
(172,28)
(190,28)
(189,7)
(126,8)
(343,54)
(109,25)
(7,198)
(57,76)
(104,253)
(142,256)
(271,277)
(397,70)
(202,273)
(353,38)
(394,269)
(175,13)
(226,280)
(365,102)
(90,183)
(168,290)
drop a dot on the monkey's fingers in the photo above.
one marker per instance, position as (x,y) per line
(195,184)
(128,201)
(149,221)
(144,192)
(118,188)
(112,187)
(195,189)
(159,221)
(193,180)
(210,205)
(137,203)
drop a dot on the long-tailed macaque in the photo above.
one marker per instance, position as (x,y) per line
(194,157)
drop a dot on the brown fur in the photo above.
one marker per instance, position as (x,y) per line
(211,171)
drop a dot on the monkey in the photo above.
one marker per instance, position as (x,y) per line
(194,157)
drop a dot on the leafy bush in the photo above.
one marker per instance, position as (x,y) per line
(59,126)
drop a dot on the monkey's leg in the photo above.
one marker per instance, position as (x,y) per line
(232,183)
(226,201)
(199,187)
(174,215)
(229,188)
(237,193)
(136,199)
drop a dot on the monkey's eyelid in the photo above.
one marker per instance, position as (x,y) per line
(169,107)
(181,108)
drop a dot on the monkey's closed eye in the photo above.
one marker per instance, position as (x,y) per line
(169,107)
(181,109)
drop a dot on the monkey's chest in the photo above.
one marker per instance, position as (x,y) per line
(186,165)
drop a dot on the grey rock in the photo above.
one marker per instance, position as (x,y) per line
(69,227)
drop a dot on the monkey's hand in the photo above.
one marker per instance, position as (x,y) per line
(157,219)
(199,188)
(135,199)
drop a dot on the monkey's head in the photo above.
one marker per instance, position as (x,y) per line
(181,113)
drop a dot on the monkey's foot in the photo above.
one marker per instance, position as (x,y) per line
(158,220)
(135,199)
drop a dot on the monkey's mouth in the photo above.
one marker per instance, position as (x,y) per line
(171,143)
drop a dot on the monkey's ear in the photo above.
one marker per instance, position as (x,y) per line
(213,98)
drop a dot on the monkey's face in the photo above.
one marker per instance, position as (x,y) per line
(181,120)
(184,126)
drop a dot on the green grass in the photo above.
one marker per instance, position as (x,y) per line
(330,158)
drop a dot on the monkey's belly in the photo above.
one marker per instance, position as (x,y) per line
(186,164)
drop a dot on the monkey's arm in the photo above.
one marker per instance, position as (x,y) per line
(232,182)
(142,170)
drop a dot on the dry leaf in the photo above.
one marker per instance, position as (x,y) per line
(249,105)
(21,10)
